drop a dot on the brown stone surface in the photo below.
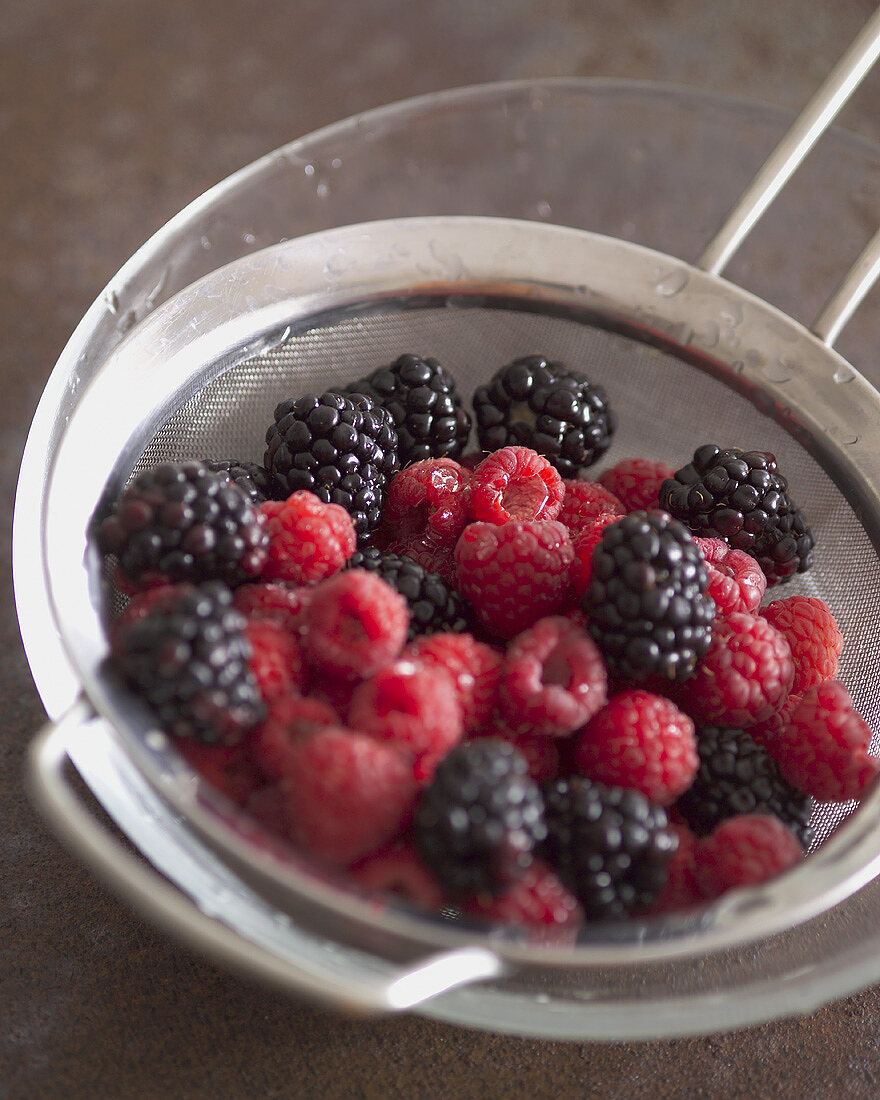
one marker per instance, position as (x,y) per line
(113,115)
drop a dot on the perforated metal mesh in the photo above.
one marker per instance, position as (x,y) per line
(665,409)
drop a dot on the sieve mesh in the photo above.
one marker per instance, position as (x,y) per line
(665,408)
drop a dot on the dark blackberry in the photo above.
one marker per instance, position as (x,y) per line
(427,411)
(544,405)
(188,658)
(610,846)
(646,604)
(737,776)
(480,818)
(741,497)
(433,605)
(183,521)
(252,478)
(341,447)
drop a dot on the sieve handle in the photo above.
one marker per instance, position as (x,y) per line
(154,896)
(812,122)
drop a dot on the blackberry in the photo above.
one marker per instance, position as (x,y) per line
(533,402)
(182,521)
(252,478)
(742,498)
(341,447)
(478,822)
(433,605)
(646,602)
(736,775)
(188,658)
(421,397)
(610,846)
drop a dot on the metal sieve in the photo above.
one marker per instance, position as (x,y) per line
(685,357)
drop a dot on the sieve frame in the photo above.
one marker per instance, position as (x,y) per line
(253,303)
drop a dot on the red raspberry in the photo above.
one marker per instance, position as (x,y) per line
(540,753)
(736,581)
(288,720)
(636,482)
(538,902)
(355,625)
(228,768)
(553,679)
(744,851)
(414,706)
(398,870)
(681,892)
(425,503)
(308,540)
(813,636)
(273,600)
(824,747)
(514,574)
(276,659)
(640,741)
(474,666)
(585,542)
(584,502)
(431,556)
(514,483)
(744,676)
(348,795)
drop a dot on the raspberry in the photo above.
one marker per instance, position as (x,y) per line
(636,482)
(355,625)
(288,719)
(513,574)
(514,483)
(744,676)
(585,542)
(279,603)
(553,679)
(348,795)
(744,851)
(414,706)
(824,747)
(584,502)
(681,892)
(474,666)
(398,870)
(308,539)
(736,582)
(812,635)
(226,767)
(642,742)
(432,557)
(276,660)
(538,902)
(540,753)
(479,820)
(427,500)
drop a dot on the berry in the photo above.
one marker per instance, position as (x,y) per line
(552,680)
(824,746)
(541,753)
(514,483)
(736,582)
(584,502)
(347,795)
(252,478)
(646,602)
(426,502)
(474,666)
(610,846)
(415,707)
(308,539)
(742,498)
(425,408)
(188,657)
(433,605)
(341,448)
(640,741)
(226,767)
(533,402)
(636,482)
(738,776)
(279,603)
(513,574)
(681,892)
(288,719)
(744,676)
(584,543)
(276,660)
(398,870)
(813,637)
(479,820)
(744,851)
(355,625)
(180,521)
(538,902)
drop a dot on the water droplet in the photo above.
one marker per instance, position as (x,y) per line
(844,434)
(111,300)
(453,267)
(322,190)
(544,209)
(335,266)
(844,373)
(248,238)
(778,370)
(672,283)
(205,242)
(336,162)
(309,169)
